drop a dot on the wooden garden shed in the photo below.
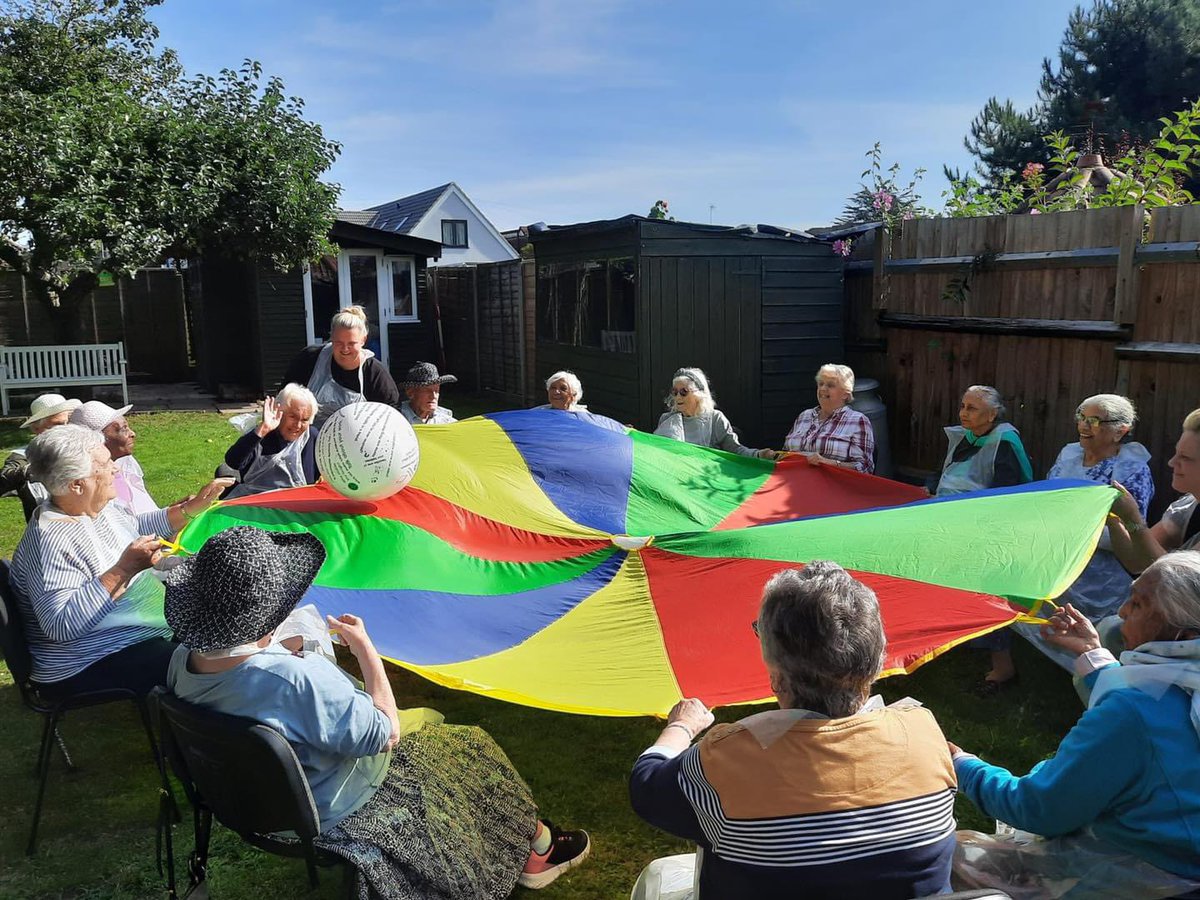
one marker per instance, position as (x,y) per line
(625,302)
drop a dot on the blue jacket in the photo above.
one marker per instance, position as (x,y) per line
(1130,768)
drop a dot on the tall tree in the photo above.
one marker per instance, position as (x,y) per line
(1122,65)
(110,157)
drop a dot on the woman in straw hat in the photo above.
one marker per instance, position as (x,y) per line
(421,808)
(45,412)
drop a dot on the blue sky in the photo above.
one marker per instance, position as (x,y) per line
(571,110)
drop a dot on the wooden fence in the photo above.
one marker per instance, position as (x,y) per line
(1047,308)
(145,311)
(487,318)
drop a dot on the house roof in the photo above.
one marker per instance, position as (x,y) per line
(402,216)
(771,232)
(357,227)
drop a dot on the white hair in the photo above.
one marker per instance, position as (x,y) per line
(990,396)
(572,381)
(1117,409)
(352,317)
(297,393)
(699,382)
(844,374)
(62,455)
(1174,583)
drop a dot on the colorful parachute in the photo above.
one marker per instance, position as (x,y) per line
(546,561)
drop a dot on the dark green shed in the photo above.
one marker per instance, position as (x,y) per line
(623,303)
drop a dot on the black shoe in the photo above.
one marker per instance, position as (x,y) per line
(567,850)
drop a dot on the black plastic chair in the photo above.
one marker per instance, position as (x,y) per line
(16,653)
(244,774)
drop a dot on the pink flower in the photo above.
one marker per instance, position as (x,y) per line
(908,214)
(883,200)
(1035,212)
(842,248)
(1032,170)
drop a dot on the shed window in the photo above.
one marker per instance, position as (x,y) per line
(454,232)
(588,304)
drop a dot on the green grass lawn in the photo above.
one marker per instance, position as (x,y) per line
(97,831)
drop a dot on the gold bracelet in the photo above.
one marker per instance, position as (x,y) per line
(186,515)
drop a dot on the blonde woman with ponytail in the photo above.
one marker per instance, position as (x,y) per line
(343,371)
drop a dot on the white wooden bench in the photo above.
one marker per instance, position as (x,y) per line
(60,366)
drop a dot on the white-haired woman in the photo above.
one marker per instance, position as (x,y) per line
(985,451)
(281,452)
(831,432)
(563,391)
(1133,541)
(692,416)
(93,615)
(1120,800)
(343,371)
(831,795)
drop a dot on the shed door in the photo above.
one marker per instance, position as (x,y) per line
(705,311)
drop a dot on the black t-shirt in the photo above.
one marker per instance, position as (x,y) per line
(378,385)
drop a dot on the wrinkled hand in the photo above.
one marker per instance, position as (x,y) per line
(691,713)
(767,453)
(1070,630)
(207,494)
(353,632)
(142,553)
(954,748)
(816,459)
(1124,506)
(272,415)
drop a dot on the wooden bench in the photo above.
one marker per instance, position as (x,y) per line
(60,366)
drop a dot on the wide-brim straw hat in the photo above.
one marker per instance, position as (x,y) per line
(424,373)
(49,405)
(97,415)
(241,586)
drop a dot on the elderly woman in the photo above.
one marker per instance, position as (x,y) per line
(46,412)
(421,808)
(984,451)
(563,391)
(833,794)
(831,432)
(93,614)
(1103,454)
(692,416)
(281,451)
(343,371)
(1120,800)
(1138,545)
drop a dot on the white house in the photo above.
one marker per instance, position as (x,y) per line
(445,214)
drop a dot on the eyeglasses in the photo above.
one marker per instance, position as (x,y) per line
(1092,421)
(681,392)
(754,627)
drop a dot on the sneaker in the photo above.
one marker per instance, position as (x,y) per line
(567,850)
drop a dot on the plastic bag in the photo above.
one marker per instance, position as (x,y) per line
(1074,867)
(668,878)
(243,422)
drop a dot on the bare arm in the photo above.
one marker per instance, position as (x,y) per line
(1134,543)
(375,681)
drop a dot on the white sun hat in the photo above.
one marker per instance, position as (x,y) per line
(49,405)
(96,415)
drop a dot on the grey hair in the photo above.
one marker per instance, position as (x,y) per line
(699,382)
(572,381)
(991,397)
(1112,406)
(1191,421)
(62,455)
(297,393)
(822,633)
(844,374)
(352,317)
(1174,582)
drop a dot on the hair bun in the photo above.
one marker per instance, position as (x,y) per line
(356,311)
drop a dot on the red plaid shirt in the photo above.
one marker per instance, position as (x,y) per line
(846,436)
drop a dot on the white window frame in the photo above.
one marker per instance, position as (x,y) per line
(412,276)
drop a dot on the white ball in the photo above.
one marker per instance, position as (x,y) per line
(367,451)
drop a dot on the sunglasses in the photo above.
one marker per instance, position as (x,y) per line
(681,392)
(1092,421)
(754,627)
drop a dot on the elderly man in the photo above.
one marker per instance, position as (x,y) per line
(45,412)
(119,438)
(423,385)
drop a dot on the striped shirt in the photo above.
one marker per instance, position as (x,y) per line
(860,807)
(71,621)
(846,436)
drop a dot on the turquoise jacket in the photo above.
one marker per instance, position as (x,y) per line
(1129,769)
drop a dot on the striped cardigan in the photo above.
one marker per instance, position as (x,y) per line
(56,573)
(840,808)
